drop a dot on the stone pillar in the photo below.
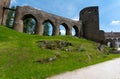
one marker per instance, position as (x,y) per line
(56,30)
(69,31)
(39,28)
(18,26)
(18,22)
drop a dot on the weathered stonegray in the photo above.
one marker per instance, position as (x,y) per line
(3,12)
(41,17)
(90,24)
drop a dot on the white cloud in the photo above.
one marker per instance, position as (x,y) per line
(115,22)
(62,32)
(37,8)
(75,19)
(13,1)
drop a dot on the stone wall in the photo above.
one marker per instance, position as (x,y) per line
(112,39)
(87,26)
(90,24)
(3,12)
(41,17)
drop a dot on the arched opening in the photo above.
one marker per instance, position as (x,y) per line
(115,40)
(118,39)
(110,43)
(74,31)
(119,45)
(29,24)
(63,29)
(10,17)
(48,28)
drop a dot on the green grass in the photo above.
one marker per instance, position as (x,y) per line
(19,53)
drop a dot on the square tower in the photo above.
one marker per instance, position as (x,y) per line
(3,12)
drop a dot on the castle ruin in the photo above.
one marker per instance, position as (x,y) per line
(87,26)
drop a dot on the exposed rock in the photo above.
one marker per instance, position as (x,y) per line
(53,44)
(57,54)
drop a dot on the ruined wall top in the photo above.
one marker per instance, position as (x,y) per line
(30,10)
(3,12)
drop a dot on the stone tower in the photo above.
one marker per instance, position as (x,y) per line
(90,24)
(3,12)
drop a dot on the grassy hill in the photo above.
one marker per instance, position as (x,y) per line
(24,56)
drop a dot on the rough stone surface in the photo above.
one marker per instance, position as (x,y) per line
(3,12)
(90,24)
(53,44)
(41,17)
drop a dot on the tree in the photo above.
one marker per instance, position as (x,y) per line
(29,25)
(10,17)
(46,29)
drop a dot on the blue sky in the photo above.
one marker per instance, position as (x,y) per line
(109,10)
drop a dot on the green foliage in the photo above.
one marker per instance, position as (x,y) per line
(46,29)
(20,55)
(29,25)
(10,17)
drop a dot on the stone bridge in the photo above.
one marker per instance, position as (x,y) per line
(41,17)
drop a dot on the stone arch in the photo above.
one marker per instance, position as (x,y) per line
(76,30)
(118,39)
(114,39)
(50,23)
(41,17)
(65,26)
(31,17)
(112,43)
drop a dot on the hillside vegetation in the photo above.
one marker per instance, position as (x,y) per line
(24,56)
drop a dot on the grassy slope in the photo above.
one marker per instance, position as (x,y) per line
(19,51)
